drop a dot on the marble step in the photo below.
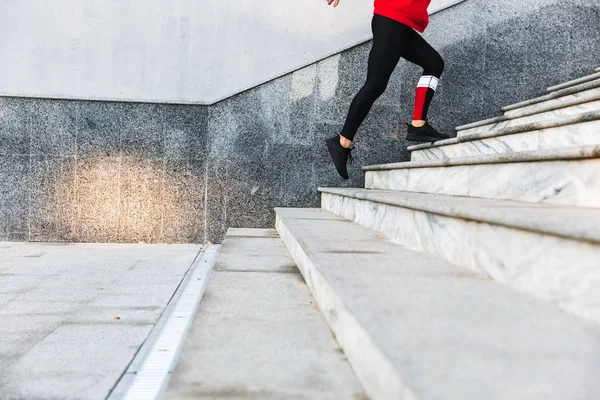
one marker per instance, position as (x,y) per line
(416,327)
(577,130)
(257,334)
(573,90)
(568,176)
(575,82)
(550,252)
(570,105)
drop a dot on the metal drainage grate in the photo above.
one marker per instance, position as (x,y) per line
(151,379)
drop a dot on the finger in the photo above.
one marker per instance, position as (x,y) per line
(336,3)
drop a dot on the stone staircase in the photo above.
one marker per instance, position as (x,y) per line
(472,271)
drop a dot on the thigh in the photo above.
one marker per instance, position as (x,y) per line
(418,51)
(389,41)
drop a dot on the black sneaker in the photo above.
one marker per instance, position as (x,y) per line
(340,155)
(425,133)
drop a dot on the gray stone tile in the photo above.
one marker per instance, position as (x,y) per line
(276,109)
(507,61)
(90,316)
(99,127)
(143,132)
(300,133)
(52,205)
(216,200)
(238,130)
(54,385)
(62,294)
(43,308)
(585,46)
(14,126)
(15,180)
(550,39)
(381,137)
(15,345)
(185,131)
(18,283)
(23,324)
(460,98)
(98,198)
(141,200)
(65,328)
(184,194)
(151,301)
(53,127)
(249,198)
(351,77)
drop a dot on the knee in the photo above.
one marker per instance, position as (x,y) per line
(438,66)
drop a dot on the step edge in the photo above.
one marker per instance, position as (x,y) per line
(513,130)
(402,387)
(467,213)
(483,122)
(574,82)
(547,108)
(560,154)
(498,288)
(554,95)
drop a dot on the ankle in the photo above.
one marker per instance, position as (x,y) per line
(419,123)
(345,142)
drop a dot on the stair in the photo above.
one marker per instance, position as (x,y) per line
(416,327)
(592,77)
(559,95)
(525,246)
(257,333)
(569,176)
(572,103)
(577,130)
(470,272)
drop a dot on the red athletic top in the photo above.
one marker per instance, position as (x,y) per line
(409,12)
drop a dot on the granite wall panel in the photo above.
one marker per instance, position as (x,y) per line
(15,184)
(123,172)
(14,129)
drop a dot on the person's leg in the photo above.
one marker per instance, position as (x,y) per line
(389,39)
(419,52)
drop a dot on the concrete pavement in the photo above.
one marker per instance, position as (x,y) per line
(72,316)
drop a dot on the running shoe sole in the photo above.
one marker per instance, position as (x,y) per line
(424,138)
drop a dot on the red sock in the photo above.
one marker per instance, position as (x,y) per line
(425,91)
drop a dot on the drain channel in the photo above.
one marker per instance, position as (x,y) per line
(159,357)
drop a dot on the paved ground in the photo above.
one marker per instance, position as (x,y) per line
(59,338)
(258,333)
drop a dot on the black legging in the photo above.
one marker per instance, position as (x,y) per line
(392,40)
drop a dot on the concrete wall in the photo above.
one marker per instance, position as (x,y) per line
(176,51)
(98,171)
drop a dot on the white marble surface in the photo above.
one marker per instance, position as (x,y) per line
(574,82)
(563,271)
(554,95)
(565,106)
(568,182)
(580,134)
(418,327)
(378,375)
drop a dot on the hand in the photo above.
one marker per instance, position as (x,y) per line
(334,2)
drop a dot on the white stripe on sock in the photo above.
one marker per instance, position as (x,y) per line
(428,81)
